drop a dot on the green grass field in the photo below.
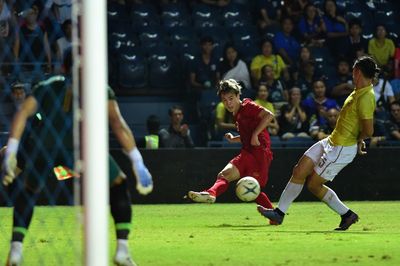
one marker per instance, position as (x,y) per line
(223,234)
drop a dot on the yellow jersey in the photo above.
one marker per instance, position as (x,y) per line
(267,105)
(275,61)
(359,105)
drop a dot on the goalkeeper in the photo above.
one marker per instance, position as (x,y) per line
(47,143)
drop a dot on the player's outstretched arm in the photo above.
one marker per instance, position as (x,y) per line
(144,181)
(9,164)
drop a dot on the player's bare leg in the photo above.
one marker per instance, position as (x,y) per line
(228,174)
(301,171)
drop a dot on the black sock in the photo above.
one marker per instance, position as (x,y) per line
(281,213)
(23,212)
(121,210)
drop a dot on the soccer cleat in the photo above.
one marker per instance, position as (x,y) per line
(274,217)
(273,222)
(346,222)
(15,255)
(123,259)
(201,197)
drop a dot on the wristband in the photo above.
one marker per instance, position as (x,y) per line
(135,155)
(12,146)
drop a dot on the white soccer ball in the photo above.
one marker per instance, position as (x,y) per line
(247,188)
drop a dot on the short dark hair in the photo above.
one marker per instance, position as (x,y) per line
(394,103)
(174,107)
(229,85)
(367,65)
(153,124)
(355,21)
(206,39)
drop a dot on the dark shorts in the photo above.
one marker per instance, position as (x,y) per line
(38,163)
(255,164)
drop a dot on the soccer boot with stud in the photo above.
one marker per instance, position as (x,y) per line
(201,197)
(347,221)
(123,259)
(274,217)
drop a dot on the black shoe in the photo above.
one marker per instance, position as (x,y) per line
(347,220)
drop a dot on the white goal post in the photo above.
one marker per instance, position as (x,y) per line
(95,131)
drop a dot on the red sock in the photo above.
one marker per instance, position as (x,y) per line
(264,201)
(219,187)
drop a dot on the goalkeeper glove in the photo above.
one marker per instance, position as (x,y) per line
(144,181)
(9,164)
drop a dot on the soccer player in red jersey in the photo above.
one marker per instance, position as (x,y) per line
(255,156)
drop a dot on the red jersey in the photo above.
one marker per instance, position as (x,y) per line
(246,122)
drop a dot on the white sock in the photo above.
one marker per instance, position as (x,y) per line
(122,245)
(291,192)
(16,245)
(332,200)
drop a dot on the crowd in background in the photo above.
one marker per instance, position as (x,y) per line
(292,57)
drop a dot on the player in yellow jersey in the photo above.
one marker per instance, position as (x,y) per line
(326,158)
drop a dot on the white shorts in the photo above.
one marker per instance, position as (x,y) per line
(329,160)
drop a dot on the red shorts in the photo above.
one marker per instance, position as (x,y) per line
(255,164)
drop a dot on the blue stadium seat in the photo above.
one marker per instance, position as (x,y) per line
(151,36)
(385,17)
(117,12)
(204,16)
(182,34)
(235,15)
(164,72)
(121,37)
(132,69)
(247,41)
(174,15)
(144,15)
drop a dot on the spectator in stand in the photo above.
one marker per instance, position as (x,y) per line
(7,36)
(340,86)
(152,140)
(383,92)
(232,67)
(286,44)
(178,134)
(204,74)
(276,88)
(324,131)
(383,96)
(307,76)
(267,57)
(31,45)
(382,49)
(312,27)
(305,56)
(393,126)
(293,118)
(224,122)
(355,45)
(62,9)
(268,13)
(262,100)
(317,106)
(294,9)
(336,27)
(64,43)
